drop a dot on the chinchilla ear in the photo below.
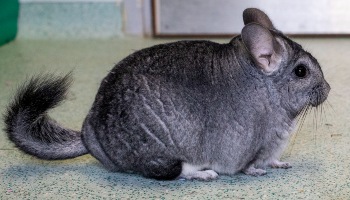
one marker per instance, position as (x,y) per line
(263,47)
(254,15)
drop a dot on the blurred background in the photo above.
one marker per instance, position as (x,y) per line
(83,19)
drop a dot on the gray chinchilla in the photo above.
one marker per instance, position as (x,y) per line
(189,109)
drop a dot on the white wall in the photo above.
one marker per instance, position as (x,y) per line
(225,16)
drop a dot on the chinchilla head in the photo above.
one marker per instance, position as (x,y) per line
(293,72)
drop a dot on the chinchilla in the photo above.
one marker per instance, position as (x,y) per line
(189,109)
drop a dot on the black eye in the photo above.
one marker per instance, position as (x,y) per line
(300,71)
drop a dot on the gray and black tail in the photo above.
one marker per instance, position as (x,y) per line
(30,128)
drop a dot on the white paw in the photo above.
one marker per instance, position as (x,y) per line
(254,171)
(278,164)
(205,175)
(191,172)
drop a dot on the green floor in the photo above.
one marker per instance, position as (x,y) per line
(320,154)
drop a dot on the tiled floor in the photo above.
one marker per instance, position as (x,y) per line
(320,154)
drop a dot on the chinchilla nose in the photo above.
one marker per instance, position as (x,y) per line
(320,93)
(323,92)
(327,88)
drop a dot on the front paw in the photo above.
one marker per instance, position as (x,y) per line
(278,164)
(206,175)
(254,171)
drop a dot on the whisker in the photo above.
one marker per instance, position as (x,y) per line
(329,112)
(314,118)
(300,122)
(324,114)
(320,115)
(330,105)
(303,117)
(316,124)
(317,111)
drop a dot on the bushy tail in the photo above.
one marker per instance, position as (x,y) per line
(32,130)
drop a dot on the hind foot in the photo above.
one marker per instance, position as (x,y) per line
(254,171)
(278,164)
(191,172)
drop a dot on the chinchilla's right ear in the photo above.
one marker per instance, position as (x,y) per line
(254,15)
(263,47)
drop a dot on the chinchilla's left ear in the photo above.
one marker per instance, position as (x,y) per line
(262,46)
(254,15)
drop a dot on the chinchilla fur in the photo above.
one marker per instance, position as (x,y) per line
(190,109)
